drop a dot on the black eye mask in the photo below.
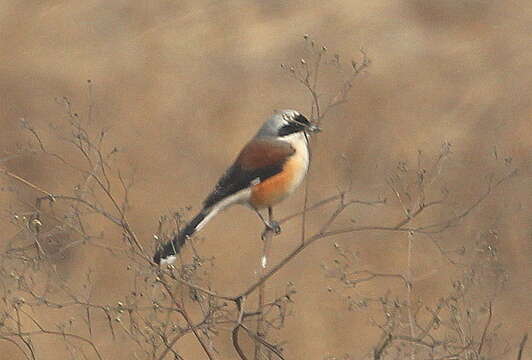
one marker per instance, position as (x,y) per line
(302,120)
(291,128)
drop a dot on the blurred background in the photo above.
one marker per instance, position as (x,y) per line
(183,83)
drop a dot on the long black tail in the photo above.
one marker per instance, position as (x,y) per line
(173,247)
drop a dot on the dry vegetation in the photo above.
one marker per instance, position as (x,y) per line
(409,240)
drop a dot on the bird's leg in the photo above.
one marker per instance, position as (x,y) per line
(271,225)
(274,225)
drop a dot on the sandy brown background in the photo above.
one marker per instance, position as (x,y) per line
(183,84)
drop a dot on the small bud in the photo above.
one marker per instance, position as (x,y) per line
(19,301)
(303,61)
(324,48)
(306,36)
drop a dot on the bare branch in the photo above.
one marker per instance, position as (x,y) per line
(522,347)
(485,331)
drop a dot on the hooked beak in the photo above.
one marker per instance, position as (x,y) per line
(314,128)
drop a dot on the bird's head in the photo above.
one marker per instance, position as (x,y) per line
(287,122)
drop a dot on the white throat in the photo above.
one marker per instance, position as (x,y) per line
(301,146)
(295,138)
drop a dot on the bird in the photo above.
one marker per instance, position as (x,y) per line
(266,171)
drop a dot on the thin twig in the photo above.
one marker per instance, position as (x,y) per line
(64,334)
(267,238)
(485,331)
(27,183)
(260,339)
(323,233)
(522,347)
(236,344)
(206,348)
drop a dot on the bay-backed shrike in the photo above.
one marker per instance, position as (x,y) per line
(267,170)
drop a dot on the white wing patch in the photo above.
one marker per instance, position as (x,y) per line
(263,261)
(169,260)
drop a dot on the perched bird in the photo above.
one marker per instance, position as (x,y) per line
(267,170)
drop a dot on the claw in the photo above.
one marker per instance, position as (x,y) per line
(275,227)
(272,226)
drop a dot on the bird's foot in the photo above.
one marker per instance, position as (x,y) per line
(271,226)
